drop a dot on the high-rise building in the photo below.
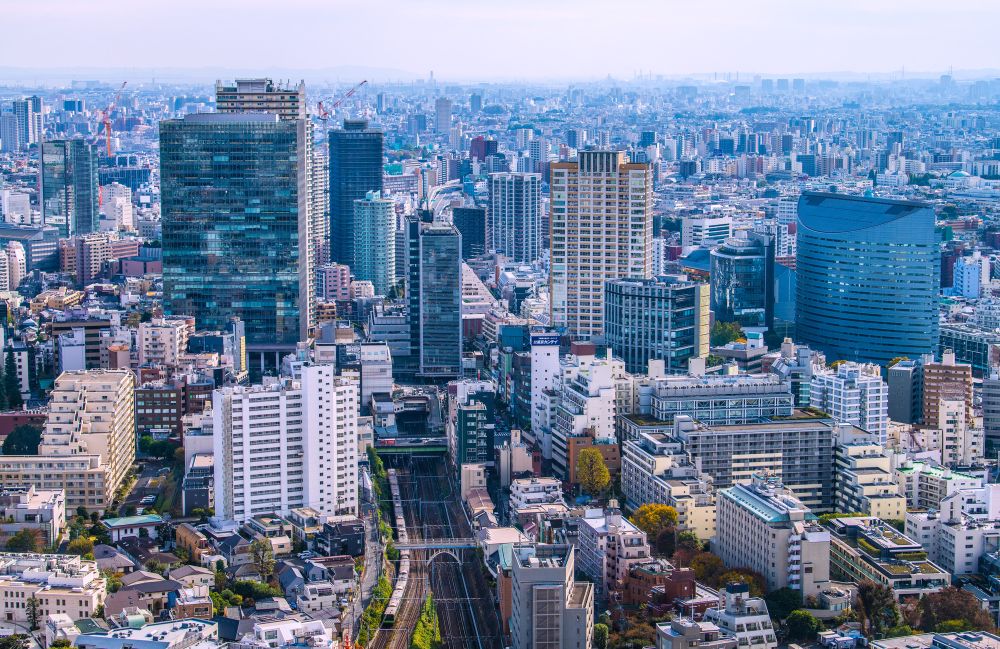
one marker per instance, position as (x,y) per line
(355,169)
(867,278)
(742,276)
(69,190)
(29,120)
(442,114)
(855,394)
(906,384)
(705,230)
(602,229)
(664,318)
(971,275)
(235,225)
(550,609)
(434,289)
(946,381)
(515,216)
(289,443)
(471,222)
(375,240)
(475,102)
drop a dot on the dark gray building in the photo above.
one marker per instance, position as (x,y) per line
(355,170)
(471,222)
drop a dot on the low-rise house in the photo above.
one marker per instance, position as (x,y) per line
(138,526)
(685,633)
(644,576)
(192,602)
(341,535)
(319,595)
(113,560)
(287,633)
(192,576)
(189,538)
(152,595)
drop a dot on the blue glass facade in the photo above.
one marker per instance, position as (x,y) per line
(742,277)
(355,170)
(234,224)
(69,186)
(868,278)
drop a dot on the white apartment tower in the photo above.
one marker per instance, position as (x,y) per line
(288,443)
(601,229)
(515,218)
(855,394)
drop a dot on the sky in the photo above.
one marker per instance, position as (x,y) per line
(479,40)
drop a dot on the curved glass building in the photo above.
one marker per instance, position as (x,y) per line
(742,276)
(868,278)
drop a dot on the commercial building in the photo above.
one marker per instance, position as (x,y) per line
(472,422)
(744,618)
(869,548)
(609,545)
(722,399)
(742,277)
(549,608)
(515,218)
(886,252)
(375,239)
(926,484)
(957,535)
(434,289)
(235,226)
(854,394)
(602,229)
(61,584)
(664,318)
(972,344)
(42,512)
(864,481)
(355,170)
(764,527)
(471,222)
(705,230)
(905,380)
(68,186)
(286,444)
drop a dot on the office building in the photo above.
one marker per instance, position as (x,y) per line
(434,289)
(705,230)
(602,229)
(515,220)
(289,443)
(550,609)
(442,114)
(854,394)
(971,275)
(471,222)
(947,380)
(61,584)
(864,481)
(663,318)
(608,545)
(886,253)
(905,380)
(68,188)
(235,226)
(721,399)
(742,277)
(355,169)
(764,527)
(375,234)
(744,618)
(472,422)
(991,409)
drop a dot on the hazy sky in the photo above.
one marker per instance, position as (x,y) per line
(505,39)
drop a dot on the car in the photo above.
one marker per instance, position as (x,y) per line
(148,500)
(306,555)
(140,511)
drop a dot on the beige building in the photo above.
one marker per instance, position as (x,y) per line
(26,508)
(61,583)
(549,608)
(601,228)
(163,341)
(88,444)
(864,482)
(946,380)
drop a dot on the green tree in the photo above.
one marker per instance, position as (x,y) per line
(689,541)
(33,612)
(781,602)
(652,518)
(11,384)
(592,471)
(427,632)
(951,605)
(724,333)
(802,626)
(23,440)
(16,641)
(666,541)
(81,545)
(262,557)
(876,607)
(707,567)
(746,576)
(113,580)
(25,541)
(600,636)
(60,643)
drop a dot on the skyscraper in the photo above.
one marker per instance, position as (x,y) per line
(742,276)
(662,318)
(515,216)
(868,278)
(69,193)
(375,239)
(355,170)
(471,222)
(434,289)
(602,229)
(235,225)
(442,114)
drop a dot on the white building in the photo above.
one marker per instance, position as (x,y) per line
(528,492)
(972,275)
(744,617)
(864,481)
(17,263)
(288,443)
(15,207)
(951,435)
(926,484)
(608,545)
(549,609)
(117,208)
(376,370)
(515,217)
(162,341)
(855,394)
(544,372)
(764,527)
(966,526)
(705,230)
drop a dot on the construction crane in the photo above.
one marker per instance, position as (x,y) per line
(324,113)
(106,115)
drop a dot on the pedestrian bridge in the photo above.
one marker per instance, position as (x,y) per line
(439,544)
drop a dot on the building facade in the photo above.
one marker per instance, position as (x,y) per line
(515,220)
(355,169)
(69,190)
(375,238)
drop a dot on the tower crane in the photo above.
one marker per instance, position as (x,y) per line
(323,112)
(106,115)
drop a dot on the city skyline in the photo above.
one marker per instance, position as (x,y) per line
(851,39)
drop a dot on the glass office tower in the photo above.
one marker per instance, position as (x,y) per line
(69,190)
(375,234)
(742,276)
(355,169)
(868,278)
(235,229)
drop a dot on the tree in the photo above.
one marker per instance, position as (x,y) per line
(11,382)
(744,576)
(592,471)
(25,541)
(600,636)
(953,605)
(803,626)
(33,612)
(688,540)
(262,557)
(16,641)
(876,607)
(60,643)
(666,541)
(707,567)
(724,333)
(23,440)
(652,518)
(81,545)
(781,602)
